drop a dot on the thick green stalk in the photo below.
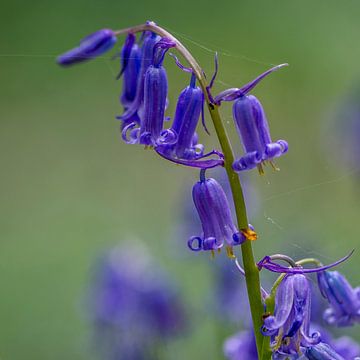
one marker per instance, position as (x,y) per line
(251,270)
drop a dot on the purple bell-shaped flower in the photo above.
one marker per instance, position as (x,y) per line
(215,216)
(252,126)
(152,111)
(289,327)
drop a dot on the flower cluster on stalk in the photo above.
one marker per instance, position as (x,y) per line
(287,322)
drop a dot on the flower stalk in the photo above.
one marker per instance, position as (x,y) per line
(250,267)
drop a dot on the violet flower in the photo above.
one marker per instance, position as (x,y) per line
(133,305)
(344,301)
(90,47)
(346,347)
(252,126)
(147,52)
(240,345)
(289,327)
(185,149)
(215,216)
(150,132)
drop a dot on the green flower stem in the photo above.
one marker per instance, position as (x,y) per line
(251,270)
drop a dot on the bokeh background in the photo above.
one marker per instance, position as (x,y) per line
(70,187)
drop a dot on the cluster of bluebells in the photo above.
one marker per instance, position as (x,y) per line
(291,328)
(145,99)
(133,305)
(118,300)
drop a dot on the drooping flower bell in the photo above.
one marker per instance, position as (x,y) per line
(147,51)
(289,327)
(344,301)
(185,149)
(130,69)
(252,127)
(152,113)
(90,47)
(188,110)
(215,216)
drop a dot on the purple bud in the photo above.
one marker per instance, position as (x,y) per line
(252,127)
(90,47)
(215,216)
(322,351)
(344,301)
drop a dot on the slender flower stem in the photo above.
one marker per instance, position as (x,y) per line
(251,270)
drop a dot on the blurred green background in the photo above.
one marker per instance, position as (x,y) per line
(70,187)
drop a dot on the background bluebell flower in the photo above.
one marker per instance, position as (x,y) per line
(344,301)
(133,305)
(322,351)
(241,346)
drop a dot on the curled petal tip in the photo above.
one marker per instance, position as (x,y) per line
(268,264)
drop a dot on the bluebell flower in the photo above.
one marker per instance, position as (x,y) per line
(152,114)
(252,127)
(215,216)
(289,327)
(133,305)
(133,110)
(183,147)
(90,47)
(344,301)
(241,346)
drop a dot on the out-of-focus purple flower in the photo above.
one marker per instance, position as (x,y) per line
(322,351)
(133,300)
(90,47)
(289,327)
(215,216)
(252,126)
(241,346)
(344,301)
(344,346)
